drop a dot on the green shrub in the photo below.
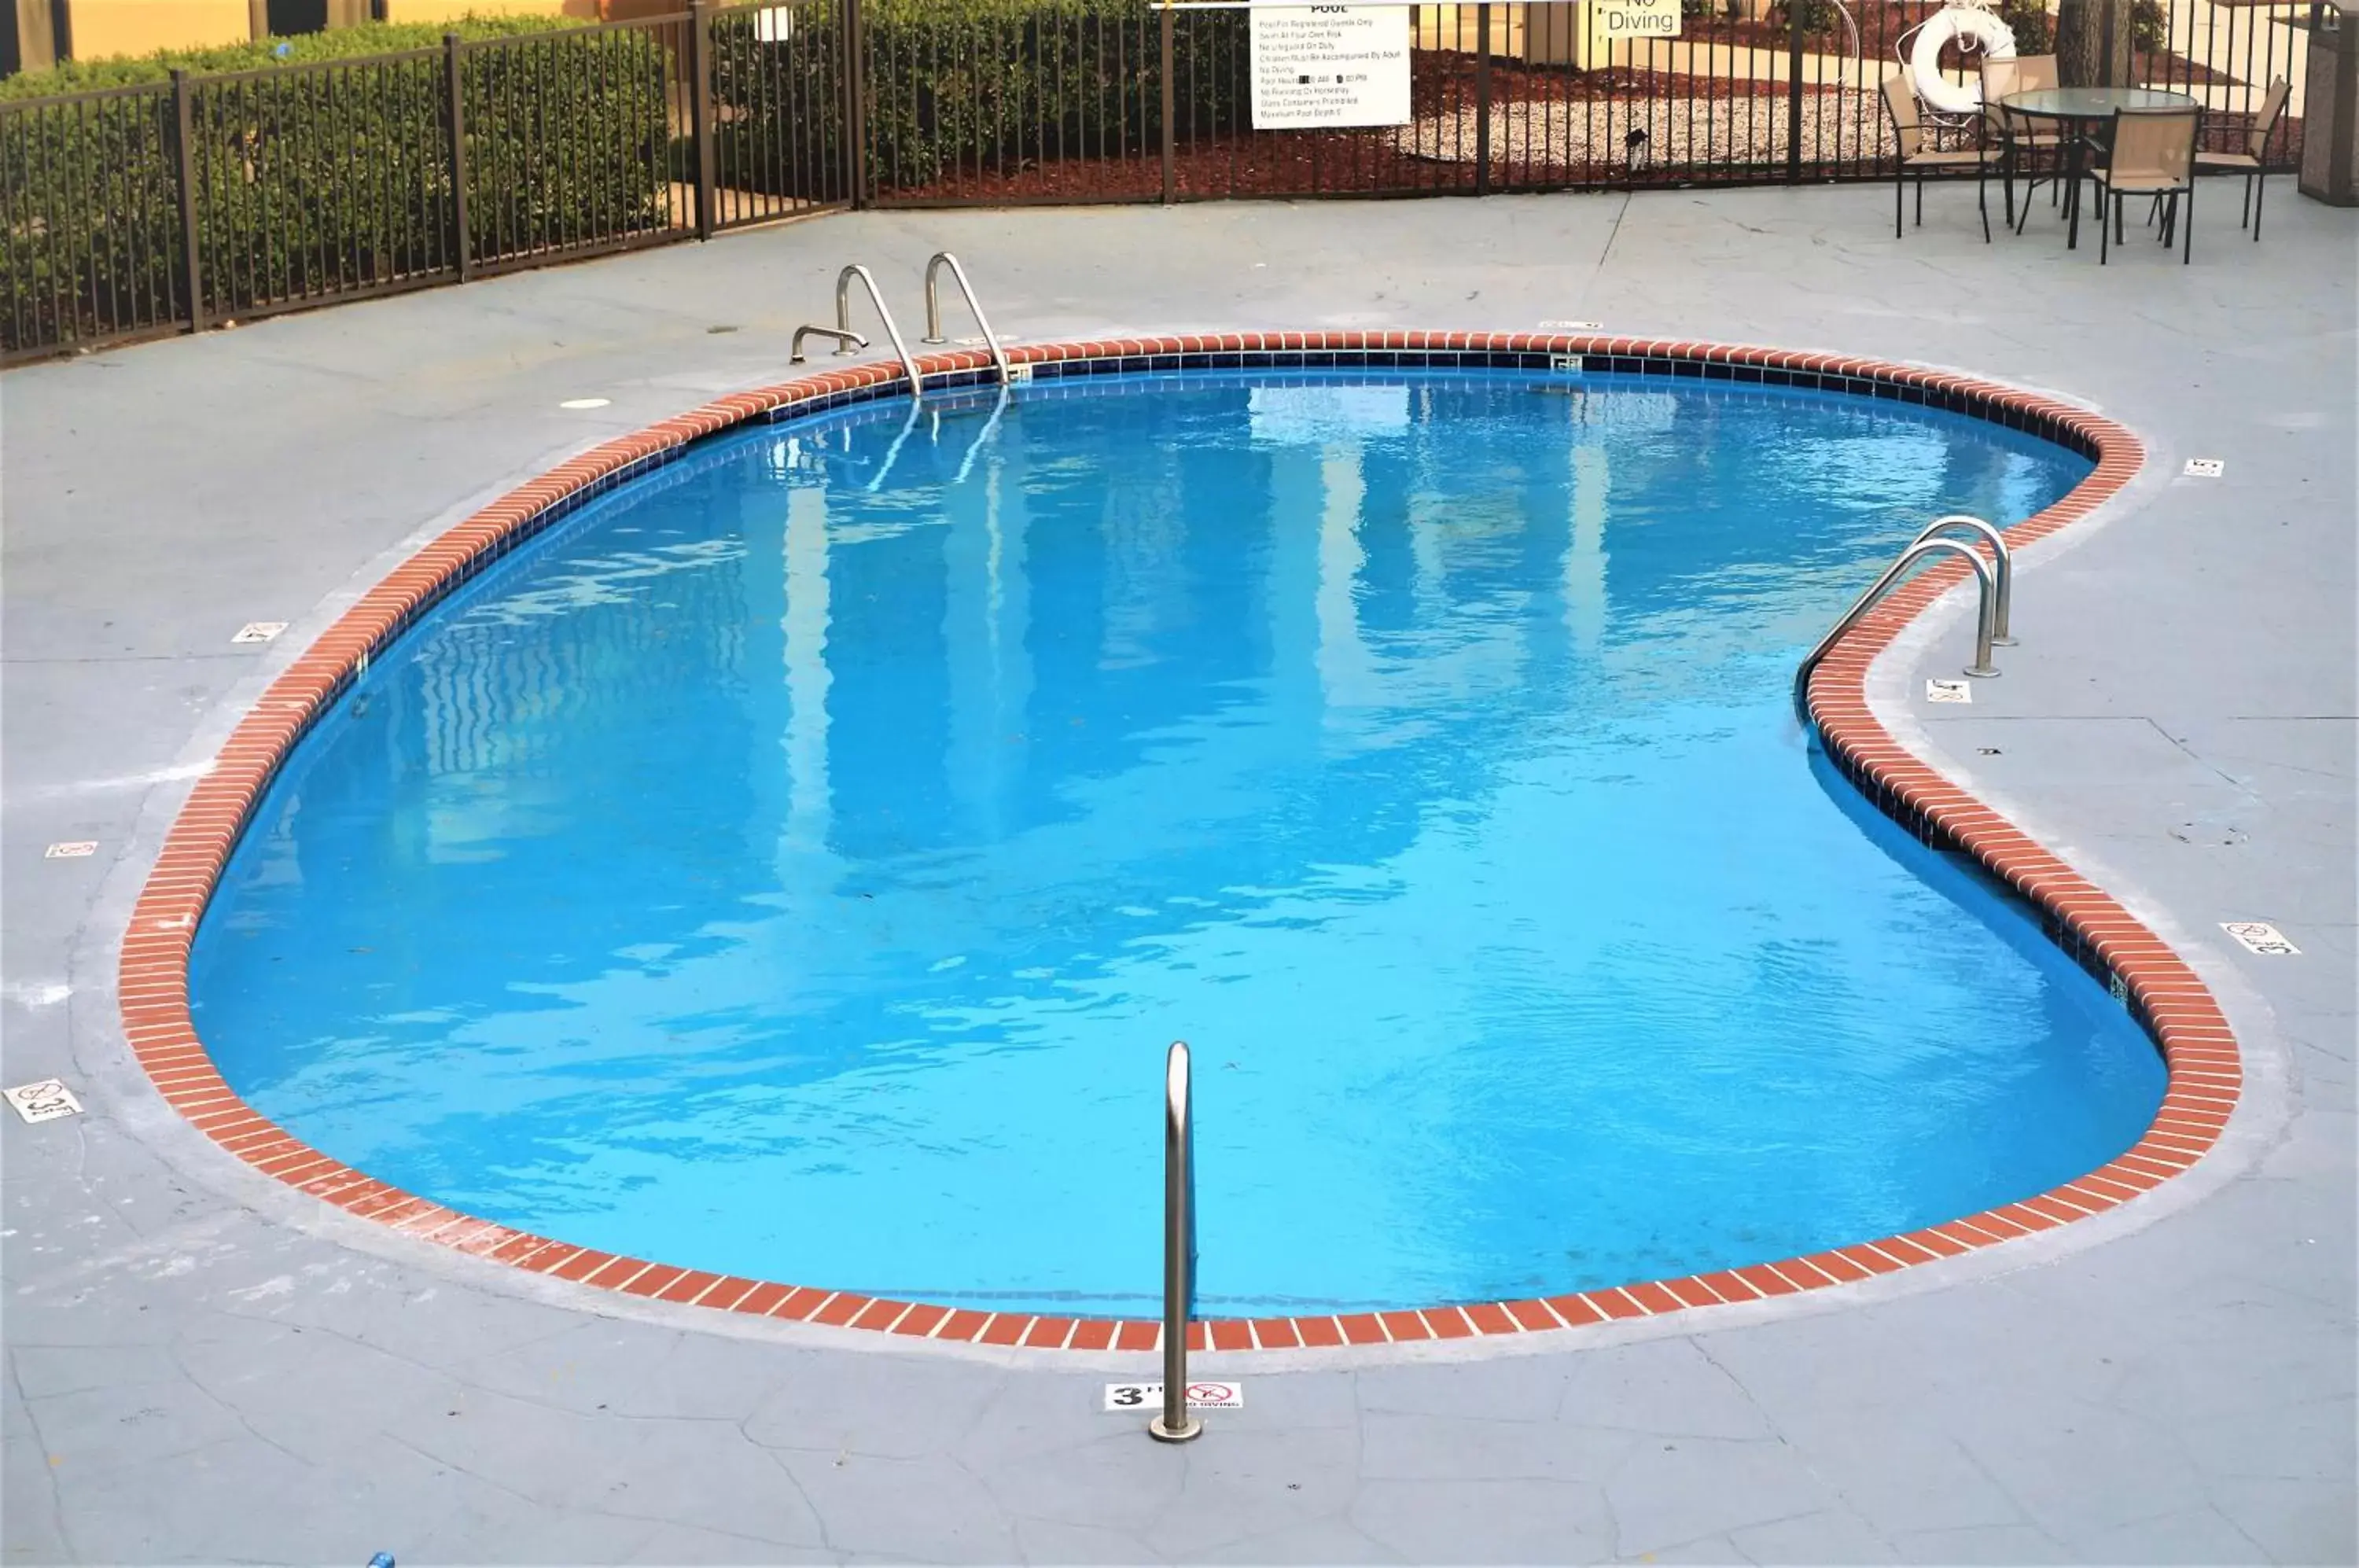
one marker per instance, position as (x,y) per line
(2033,26)
(1818,15)
(779,120)
(335,43)
(2149,29)
(90,226)
(323,180)
(981,86)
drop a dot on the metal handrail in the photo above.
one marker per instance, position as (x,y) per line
(934,308)
(1985,606)
(849,340)
(1172,1423)
(2003,566)
(846,336)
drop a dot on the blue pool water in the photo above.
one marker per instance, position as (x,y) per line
(797,863)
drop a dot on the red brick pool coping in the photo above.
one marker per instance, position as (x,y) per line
(2154,981)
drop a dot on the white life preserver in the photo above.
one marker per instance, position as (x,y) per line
(1961,23)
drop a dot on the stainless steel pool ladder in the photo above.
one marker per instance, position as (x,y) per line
(934,309)
(1926,545)
(849,341)
(1172,1423)
(2002,565)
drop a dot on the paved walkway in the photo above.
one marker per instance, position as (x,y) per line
(202,1366)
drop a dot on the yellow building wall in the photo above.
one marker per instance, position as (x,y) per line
(451,10)
(106,27)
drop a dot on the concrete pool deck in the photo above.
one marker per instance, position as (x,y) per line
(204,1366)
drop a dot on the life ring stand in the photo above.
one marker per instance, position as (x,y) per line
(1971,27)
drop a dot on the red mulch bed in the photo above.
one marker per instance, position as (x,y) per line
(1284,164)
(1289,164)
(1355,162)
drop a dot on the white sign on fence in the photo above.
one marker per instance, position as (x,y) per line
(1614,21)
(1329,65)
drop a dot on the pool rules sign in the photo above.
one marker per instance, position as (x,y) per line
(1330,66)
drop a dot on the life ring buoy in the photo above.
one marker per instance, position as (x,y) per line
(1962,24)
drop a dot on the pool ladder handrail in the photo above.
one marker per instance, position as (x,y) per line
(1173,1423)
(934,266)
(849,341)
(1920,548)
(2002,565)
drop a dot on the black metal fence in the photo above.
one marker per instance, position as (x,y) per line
(173,205)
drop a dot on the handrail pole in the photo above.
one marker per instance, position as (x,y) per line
(1985,616)
(843,323)
(934,308)
(934,299)
(1172,1423)
(850,339)
(2004,569)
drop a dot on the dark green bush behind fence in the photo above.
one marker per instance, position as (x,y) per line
(779,103)
(90,220)
(965,89)
(328,179)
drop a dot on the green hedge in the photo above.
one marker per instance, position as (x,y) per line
(957,86)
(324,180)
(780,126)
(335,43)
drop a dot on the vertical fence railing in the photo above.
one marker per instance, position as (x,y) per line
(184,189)
(454,122)
(2225,56)
(132,211)
(93,237)
(574,141)
(778,102)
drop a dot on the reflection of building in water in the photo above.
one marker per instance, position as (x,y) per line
(1006,639)
(987,629)
(1016,646)
(518,693)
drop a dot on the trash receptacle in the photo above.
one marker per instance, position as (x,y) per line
(2330,111)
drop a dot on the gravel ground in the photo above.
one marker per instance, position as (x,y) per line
(1680,132)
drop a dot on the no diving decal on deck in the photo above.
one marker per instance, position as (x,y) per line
(1329,65)
(2259,936)
(44,1101)
(1201,1396)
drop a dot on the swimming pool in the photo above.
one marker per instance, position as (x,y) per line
(796,865)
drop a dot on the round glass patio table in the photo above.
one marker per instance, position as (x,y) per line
(2081,106)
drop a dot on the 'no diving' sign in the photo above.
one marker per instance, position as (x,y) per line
(1149,1396)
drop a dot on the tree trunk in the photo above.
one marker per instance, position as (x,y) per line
(2081,33)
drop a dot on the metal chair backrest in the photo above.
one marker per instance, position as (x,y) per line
(2011,74)
(1998,81)
(2154,145)
(2266,121)
(1900,99)
(2034,71)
